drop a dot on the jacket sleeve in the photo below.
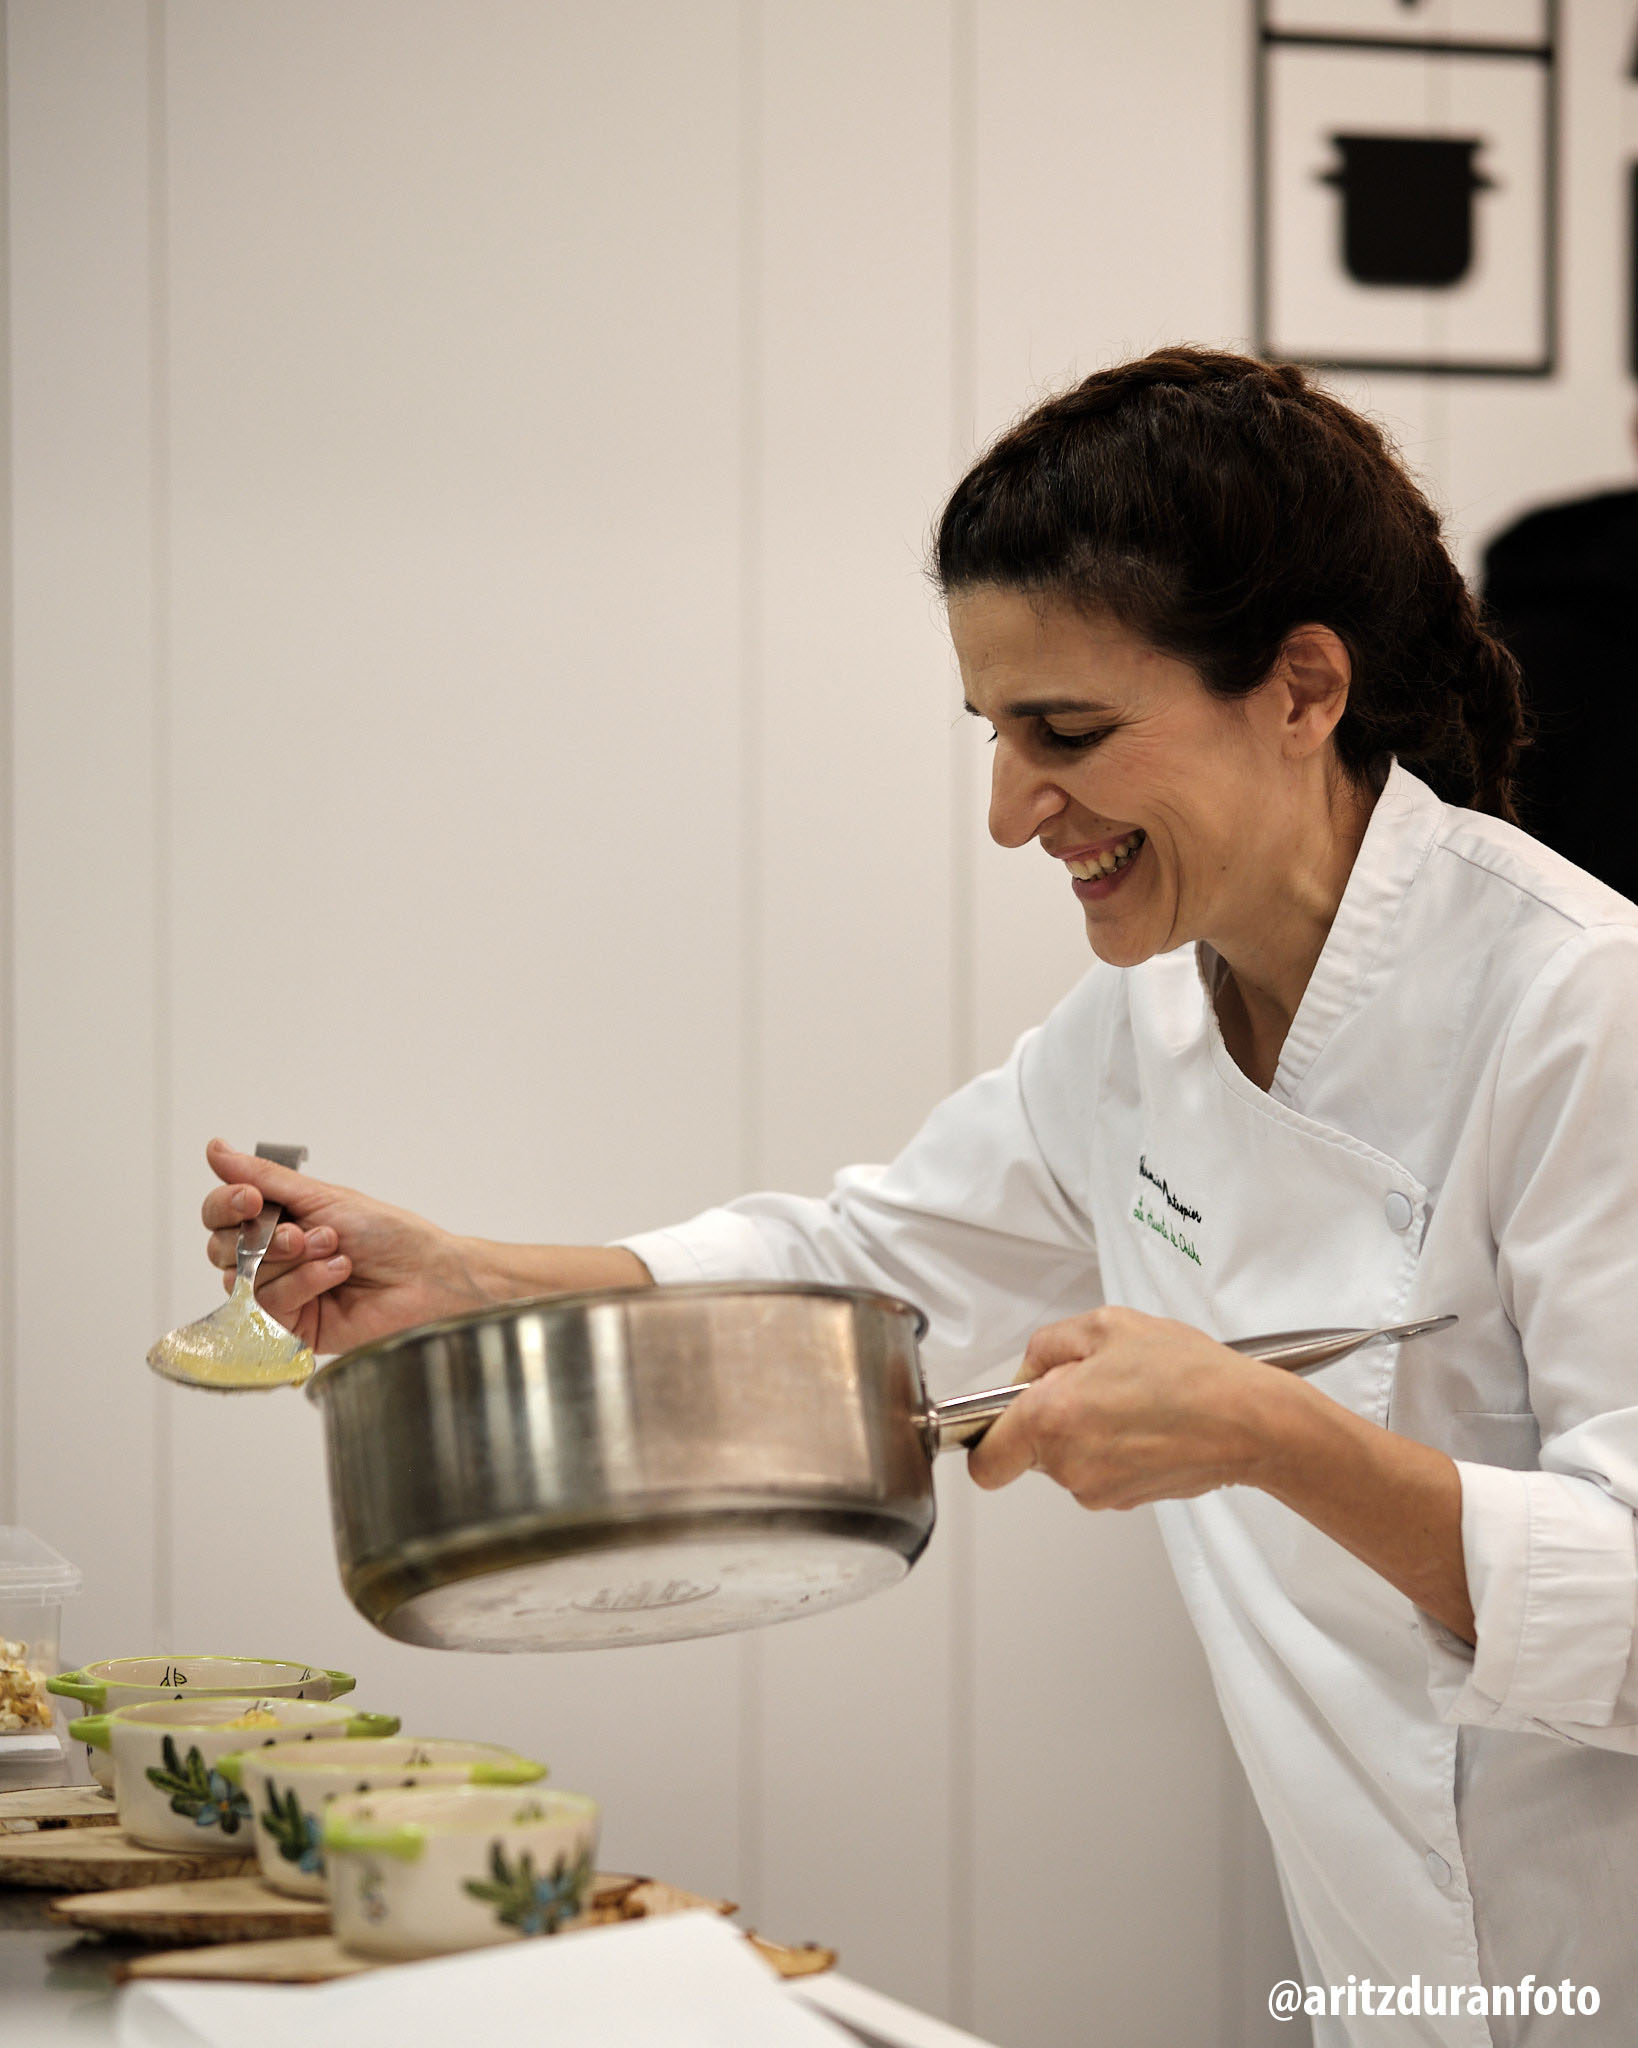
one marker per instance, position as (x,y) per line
(1552,1555)
(973,1222)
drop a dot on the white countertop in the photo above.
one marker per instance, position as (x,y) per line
(58,1991)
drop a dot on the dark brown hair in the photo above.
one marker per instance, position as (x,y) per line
(1212,503)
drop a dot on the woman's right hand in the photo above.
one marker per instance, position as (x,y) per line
(342,1268)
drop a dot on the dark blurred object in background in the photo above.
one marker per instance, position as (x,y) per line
(1562,586)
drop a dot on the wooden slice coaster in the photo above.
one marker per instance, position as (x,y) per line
(243,1909)
(806,1960)
(57,1806)
(303,1957)
(102,1859)
(203,1909)
(320,1959)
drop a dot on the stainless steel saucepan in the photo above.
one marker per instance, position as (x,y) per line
(638,1465)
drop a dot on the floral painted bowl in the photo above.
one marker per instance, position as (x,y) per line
(167,1787)
(130,1681)
(291,1783)
(424,1872)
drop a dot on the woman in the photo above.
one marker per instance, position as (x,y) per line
(1348,1055)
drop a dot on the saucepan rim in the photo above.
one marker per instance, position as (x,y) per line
(502,1311)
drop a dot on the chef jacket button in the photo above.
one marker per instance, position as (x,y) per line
(1438,1868)
(1396,1207)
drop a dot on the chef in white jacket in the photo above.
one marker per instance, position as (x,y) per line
(1349,1054)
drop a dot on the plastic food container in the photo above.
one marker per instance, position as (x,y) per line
(34,1583)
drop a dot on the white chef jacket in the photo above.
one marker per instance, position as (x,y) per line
(1453,1127)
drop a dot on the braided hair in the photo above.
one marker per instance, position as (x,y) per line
(1212,503)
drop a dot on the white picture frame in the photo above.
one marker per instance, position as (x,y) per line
(1407,194)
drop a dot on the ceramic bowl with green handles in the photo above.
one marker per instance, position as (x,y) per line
(167,1787)
(289,1785)
(440,1868)
(131,1681)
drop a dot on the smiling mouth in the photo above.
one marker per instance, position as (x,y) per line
(1109,862)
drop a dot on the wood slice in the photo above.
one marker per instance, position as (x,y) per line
(307,1959)
(652,1895)
(320,1958)
(805,1961)
(57,1806)
(102,1859)
(205,1909)
(609,1887)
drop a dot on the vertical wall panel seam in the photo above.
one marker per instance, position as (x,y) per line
(963,412)
(752,655)
(10,1468)
(159,682)
(963,995)
(1234,1959)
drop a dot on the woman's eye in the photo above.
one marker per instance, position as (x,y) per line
(1074,742)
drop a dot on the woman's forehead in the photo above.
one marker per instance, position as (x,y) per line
(1024,656)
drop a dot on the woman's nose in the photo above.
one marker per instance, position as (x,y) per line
(1021,798)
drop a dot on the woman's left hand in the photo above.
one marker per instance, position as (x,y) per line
(1128,1408)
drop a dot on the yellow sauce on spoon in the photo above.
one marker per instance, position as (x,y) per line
(238,1345)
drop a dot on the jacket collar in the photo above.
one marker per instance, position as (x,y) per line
(1401,832)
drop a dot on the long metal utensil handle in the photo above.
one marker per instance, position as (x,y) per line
(256,1235)
(956,1425)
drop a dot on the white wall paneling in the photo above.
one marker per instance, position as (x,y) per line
(8,1063)
(454,302)
(478,711)
(853,276)
(88,1007)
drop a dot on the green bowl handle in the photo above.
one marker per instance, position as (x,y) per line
(374,1724)
(405,1842)
(232,1767)
(74,1685)
(93,1729)
(519,1772)
(340,1681)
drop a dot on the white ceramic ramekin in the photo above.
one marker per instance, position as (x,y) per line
(425,1872)
(132,1681)
(289,1784)
(167,1786)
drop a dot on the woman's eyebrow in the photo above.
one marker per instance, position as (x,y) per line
(1045,707)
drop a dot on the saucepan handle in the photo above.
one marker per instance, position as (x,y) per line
(958,1424)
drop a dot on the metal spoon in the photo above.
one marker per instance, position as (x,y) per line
(239,1348)
(962,1421)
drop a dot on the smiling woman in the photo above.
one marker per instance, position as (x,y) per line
(1353,1049)
(1212,504)
(1178,813)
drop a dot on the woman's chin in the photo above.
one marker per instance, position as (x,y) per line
(1123,941)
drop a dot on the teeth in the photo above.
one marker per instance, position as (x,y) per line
(1106,863)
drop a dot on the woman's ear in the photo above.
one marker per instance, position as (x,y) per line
(1312,674)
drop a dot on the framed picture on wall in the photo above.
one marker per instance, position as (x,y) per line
(1406,184)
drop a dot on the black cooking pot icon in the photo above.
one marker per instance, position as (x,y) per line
(1407,207)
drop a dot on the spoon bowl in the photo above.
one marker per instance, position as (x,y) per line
(239,1348)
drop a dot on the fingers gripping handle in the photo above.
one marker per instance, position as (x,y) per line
(256,1235)
(958,1424)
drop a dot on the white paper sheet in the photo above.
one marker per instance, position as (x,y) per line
(683,1981)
